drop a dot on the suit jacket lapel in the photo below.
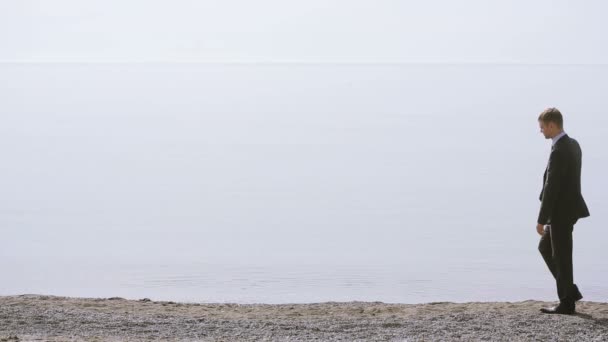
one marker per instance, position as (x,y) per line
(561,140)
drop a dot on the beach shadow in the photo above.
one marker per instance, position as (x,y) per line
(599,321)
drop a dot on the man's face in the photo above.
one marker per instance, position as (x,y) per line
(547,129)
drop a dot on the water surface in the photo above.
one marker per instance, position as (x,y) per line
(290,183)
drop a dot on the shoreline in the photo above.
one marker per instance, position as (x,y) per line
(54,318)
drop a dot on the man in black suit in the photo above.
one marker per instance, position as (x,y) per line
(562,204)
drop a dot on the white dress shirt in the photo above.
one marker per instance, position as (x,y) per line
(556,138)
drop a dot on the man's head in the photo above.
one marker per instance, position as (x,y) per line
(551,122)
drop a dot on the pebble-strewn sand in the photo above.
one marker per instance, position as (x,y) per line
(44,318)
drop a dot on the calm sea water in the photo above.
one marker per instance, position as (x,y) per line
(291,183)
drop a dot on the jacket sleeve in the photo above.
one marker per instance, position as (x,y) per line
(540,197)
(552,186)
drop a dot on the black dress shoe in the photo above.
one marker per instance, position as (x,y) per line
(560,309)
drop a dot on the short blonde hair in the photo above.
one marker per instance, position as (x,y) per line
(552,115)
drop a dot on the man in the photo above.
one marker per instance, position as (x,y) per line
(562,204)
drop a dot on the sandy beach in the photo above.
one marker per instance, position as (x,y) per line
(51,318)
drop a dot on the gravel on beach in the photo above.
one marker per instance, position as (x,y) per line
(52,318)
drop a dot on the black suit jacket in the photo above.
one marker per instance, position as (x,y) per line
(561,198)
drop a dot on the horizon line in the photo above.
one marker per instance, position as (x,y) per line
(312,63)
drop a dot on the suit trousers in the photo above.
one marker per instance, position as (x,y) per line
(556,248)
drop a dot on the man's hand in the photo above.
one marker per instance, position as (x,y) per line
(540,228)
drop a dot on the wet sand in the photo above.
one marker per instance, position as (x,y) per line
(51,318)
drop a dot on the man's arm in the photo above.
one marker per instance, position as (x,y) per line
(552,186)
(540,197)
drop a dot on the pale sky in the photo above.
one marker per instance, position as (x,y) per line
(332,31)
